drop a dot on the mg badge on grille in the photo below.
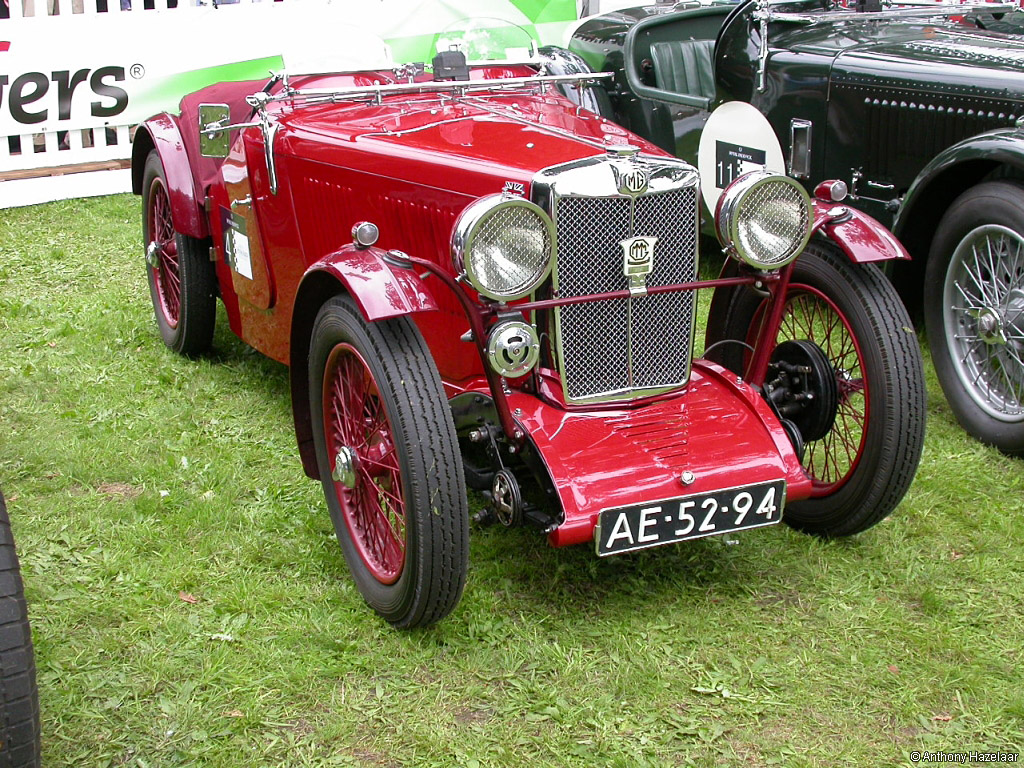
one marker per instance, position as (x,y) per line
(631,179)
(638,261)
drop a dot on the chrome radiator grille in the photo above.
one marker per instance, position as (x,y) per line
(622,348)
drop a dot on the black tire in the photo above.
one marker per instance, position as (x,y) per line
(182,279)
(974,312)
(19,699)
(874,352)
(376,397)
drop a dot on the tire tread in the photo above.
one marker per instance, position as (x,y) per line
(19,699)
(903,439)
(435,482)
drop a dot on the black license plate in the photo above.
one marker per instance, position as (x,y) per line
(690,517)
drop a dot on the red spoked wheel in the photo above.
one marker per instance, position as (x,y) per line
(182,281)
(812,316)
(389,463)
(162,253)
(863,465)
(366,475)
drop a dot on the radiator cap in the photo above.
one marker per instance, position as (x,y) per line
(622,150)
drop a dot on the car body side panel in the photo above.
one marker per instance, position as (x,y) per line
(796,83)
(330,199)
(899,92)
(900,131)
(797,88)
(736,52)
(256,287)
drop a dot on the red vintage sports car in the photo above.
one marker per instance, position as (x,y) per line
(475,279)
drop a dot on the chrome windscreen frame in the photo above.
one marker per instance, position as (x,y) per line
(612,177)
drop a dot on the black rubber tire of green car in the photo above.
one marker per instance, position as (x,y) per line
(19,699)
(192,332)
(999,203)
(890,360)
(404,380)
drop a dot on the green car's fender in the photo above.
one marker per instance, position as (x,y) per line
(949,174)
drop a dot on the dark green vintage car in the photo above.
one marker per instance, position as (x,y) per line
(917,109)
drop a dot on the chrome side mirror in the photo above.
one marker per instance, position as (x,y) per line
(214,139)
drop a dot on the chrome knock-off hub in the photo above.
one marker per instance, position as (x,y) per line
(153,254)
(345,467)
(990,326)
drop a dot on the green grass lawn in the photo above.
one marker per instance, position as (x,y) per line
(190,604)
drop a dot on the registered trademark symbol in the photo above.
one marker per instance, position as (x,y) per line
(137,71)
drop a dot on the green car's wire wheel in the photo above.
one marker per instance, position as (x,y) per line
(976,329)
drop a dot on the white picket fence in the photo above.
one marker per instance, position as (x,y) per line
(62,164)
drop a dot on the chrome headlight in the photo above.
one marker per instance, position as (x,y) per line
(504,246)
(764,219)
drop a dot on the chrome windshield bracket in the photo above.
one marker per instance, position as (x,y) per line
(763,15)
(269,132)
(268,127)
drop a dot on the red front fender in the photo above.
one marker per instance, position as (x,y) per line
(378,288)
(161,133)
(862,238)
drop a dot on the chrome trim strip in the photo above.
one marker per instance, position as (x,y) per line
(924,10)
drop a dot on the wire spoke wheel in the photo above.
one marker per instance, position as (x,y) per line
(355,420)
(862,466)
(389,463)
(974,311)
(164,245)
(983,307)
(182,281)
(810,315)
